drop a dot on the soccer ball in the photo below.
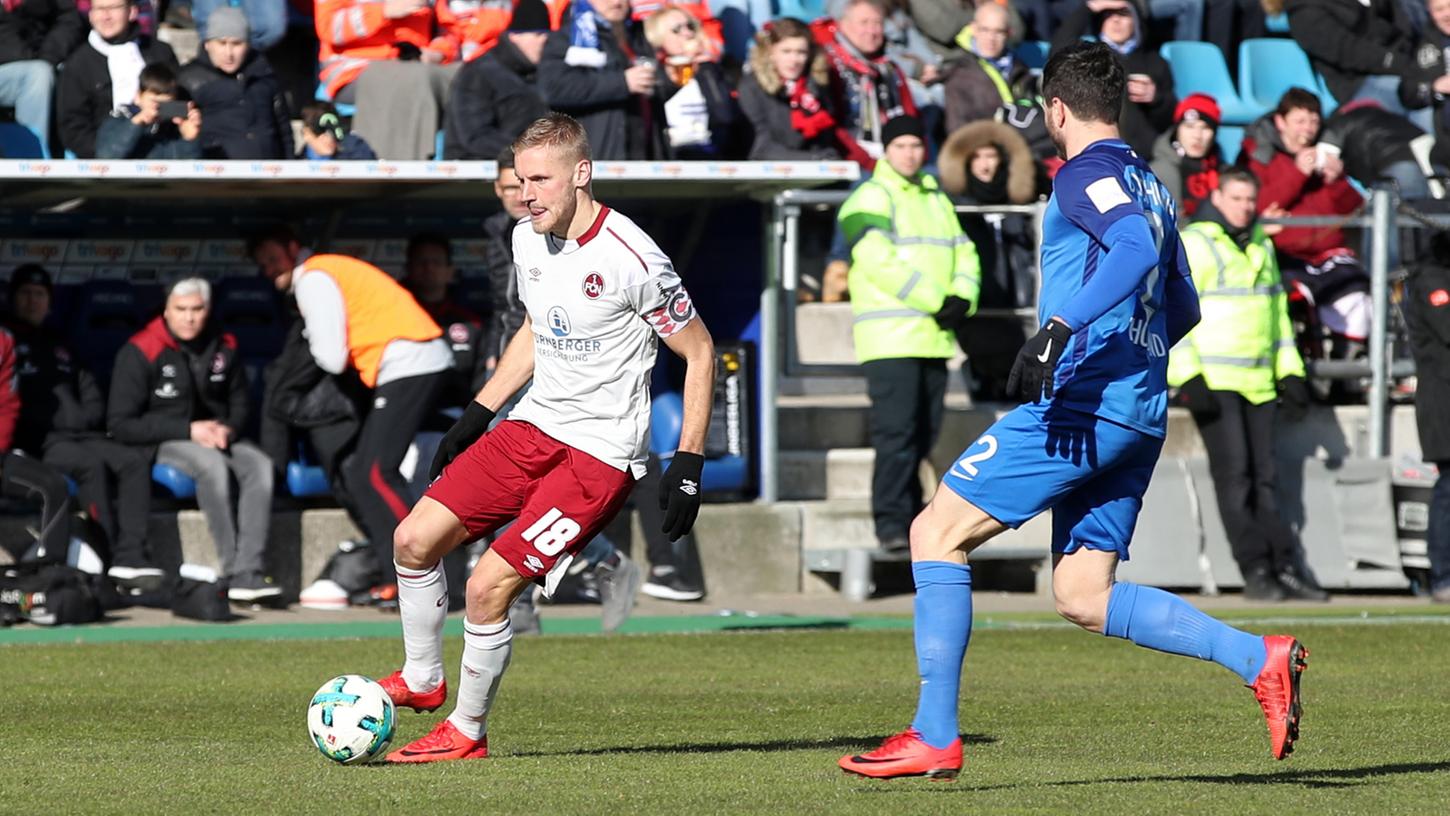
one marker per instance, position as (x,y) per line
(351,719)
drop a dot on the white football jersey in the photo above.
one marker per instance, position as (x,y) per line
(597,305)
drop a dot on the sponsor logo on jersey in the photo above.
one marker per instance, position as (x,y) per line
(168,370)
(593,285)
(167,391)
(558,321)
(534,273)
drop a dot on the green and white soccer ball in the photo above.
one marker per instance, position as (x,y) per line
(351,719)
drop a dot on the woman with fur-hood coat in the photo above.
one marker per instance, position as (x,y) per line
(792,118)
(1005,173)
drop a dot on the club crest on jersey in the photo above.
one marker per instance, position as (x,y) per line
(559,321)
(458,333)
(593,285)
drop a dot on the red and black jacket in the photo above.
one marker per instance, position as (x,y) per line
(59,399)
(9,392)
(160,386)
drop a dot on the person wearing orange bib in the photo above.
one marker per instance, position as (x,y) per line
(358,318)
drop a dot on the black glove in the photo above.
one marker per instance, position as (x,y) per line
(464,432)
(953,313)
(1294,398)
(408,52)
(1197,397)
(1036,364)
(680,493)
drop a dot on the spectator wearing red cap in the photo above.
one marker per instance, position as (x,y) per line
(1187,158)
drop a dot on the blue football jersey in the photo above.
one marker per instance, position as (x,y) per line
(1115,367)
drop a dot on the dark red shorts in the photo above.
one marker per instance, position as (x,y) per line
(561,496)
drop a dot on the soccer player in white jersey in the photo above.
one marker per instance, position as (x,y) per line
(598,293)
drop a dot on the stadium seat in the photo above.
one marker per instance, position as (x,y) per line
(181,485)
(1277,23)
(249,308)
(20,142)
(342,109)
(304,478)
(1268,68)
(1033,53)
(1199,67)
(721,473)
(106,313)
(1230,139)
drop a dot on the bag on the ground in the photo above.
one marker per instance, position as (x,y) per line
(46,595)
(199,595)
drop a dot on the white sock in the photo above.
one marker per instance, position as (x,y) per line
(486,652)
(423,605)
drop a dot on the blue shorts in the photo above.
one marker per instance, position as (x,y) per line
(1091,472)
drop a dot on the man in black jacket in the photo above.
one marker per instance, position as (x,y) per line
(496,96)
(597,69)
(1119,23)
(1364,49)
(429,274)
(1428,313)
(243,112)
(62,421)
(35,36)
(102,74)
(179,391)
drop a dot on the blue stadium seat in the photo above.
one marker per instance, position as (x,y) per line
(105,315)
(1033,53)
(306,480)
(1199,67)
(475,295)
(1269,67)
(250,309)
(342,110)
(1230,138)
(1277,23)
(721,473)
(181,485)
(20,142)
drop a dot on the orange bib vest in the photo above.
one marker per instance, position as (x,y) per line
(379,311)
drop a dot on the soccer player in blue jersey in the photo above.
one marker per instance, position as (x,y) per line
(1116,295)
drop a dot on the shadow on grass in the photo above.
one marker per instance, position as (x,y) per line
(833,743)
(1312,778)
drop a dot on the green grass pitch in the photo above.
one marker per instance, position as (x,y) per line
(1058,721)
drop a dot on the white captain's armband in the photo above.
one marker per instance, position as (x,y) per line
(677,313)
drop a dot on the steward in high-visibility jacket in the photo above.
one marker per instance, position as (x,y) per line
(908,254)
(1228,372)
(914,281)
(1245,342)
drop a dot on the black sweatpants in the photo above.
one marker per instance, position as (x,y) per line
(101,467)
(906,414)
(1240,442)
(377,490)
(22,476)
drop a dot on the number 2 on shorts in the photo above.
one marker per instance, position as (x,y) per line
(552,532)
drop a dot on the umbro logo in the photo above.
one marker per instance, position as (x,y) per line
(688,487)
(532,562)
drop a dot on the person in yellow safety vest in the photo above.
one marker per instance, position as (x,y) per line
(1229,371)
(359,319)
(914,280)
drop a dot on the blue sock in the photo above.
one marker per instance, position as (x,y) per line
(1163,621)
(943,626)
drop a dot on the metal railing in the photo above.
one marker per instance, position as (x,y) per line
(782,280)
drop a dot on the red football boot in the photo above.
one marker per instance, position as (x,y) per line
(443,742)
(906,754)
(402,696)
(1277,691)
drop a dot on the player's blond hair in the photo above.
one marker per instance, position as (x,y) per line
(557,130)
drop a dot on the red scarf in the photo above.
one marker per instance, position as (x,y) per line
(807,115)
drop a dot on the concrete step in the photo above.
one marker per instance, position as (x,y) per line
(843,473)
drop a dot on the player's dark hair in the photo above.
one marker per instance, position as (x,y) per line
(279,233)
(158,79)
(423,239)
(506,159)
(1297,98)
(1089,79)
(1236,174)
